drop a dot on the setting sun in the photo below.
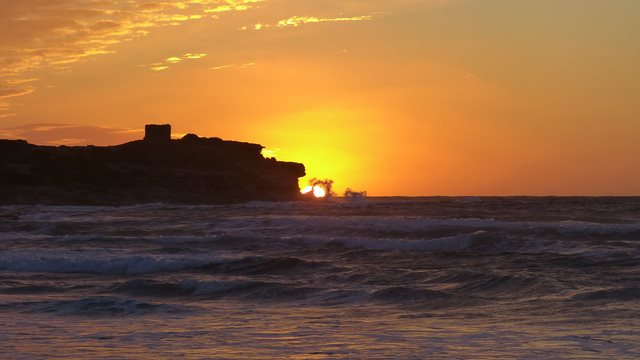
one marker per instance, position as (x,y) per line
(318,191)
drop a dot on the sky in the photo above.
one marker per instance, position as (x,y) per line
(394,97)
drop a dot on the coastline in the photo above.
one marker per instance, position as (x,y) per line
(191,170)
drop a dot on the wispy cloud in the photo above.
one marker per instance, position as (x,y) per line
(232,66)
(158,67)
(174,60)
(4,108)
(13,92)
(161,66)
(231,5)
(296,21)
(19,81)
(7,92)
(55,34)
(193,56)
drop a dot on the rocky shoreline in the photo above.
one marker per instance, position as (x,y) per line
(191,170)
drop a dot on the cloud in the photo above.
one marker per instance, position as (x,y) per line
(296,21)
(71,134)
(160,66)
(173,60)
(232,66)
(19,81)
(231,5)
(4,108)
(13,92)
(55,34)
(155,6)
(193,56)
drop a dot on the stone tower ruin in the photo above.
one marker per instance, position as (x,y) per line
(157,133)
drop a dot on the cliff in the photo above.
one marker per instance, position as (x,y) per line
(191,170)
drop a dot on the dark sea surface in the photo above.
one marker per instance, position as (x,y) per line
(378,278)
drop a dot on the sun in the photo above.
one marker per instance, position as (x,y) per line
(317,190)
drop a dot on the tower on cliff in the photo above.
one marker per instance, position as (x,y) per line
(157,133)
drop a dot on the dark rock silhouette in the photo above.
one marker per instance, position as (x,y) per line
(157,133)
(194,170)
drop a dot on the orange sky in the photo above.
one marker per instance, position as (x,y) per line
(396,97)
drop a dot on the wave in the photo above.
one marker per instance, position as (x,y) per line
(56,262)
(39,289)
(250,290)
(93,263)
(407,294)
(416,226)
(263,291)
(188,230)
(438,235)
(92,306)
(446,244)
(257,265)
(479,242)
(610,295)
(500,285)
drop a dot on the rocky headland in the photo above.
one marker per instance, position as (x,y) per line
(191,170)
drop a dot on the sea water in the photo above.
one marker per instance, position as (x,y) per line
(377,278)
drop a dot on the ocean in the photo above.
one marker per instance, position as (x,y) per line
(375,278)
